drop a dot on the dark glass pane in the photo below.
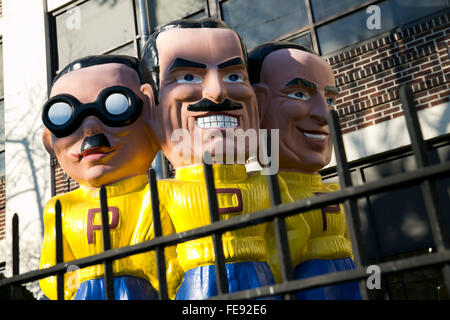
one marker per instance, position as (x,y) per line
(258,21)
(93,27)
(399,216)
(325,8)
(163,11)
(304,40)
(353,28)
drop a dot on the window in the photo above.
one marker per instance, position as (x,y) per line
(111,26)
(163,11)
(258,21)
(323,9)
(95,27)
(322,25)
(395,223)
(393,226)
(352,28)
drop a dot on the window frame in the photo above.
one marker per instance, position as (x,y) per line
(54,40)
(311,26)
(137,33)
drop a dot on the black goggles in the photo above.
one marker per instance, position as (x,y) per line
(115,106)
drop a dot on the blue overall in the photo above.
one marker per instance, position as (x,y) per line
(341,291)
(125,288)
(200,282)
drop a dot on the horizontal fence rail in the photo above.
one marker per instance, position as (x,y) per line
(426,176)
(283,210)
(404,264)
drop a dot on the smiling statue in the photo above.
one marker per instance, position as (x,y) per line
(295,89)
(97,124)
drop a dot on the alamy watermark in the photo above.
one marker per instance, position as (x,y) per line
(229,147)
(73,278)
(374,20)
(374,280)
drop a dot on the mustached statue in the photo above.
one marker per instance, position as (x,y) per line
(203,91)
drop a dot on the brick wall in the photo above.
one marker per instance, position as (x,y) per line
(369,75)
(63,183)
(2,208)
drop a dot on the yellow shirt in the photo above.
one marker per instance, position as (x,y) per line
(82,236)
(329,231)
(185,199)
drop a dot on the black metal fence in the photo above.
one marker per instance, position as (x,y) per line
(426,176)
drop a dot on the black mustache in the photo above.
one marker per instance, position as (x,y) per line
(208,105)
(99,140)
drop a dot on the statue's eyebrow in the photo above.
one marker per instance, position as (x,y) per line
(301,82)
(229,63)
(184,63)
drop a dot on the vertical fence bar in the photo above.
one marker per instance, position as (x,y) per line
(160,262)
(15,289)
(108,272)
(373,227)
(284,256)
(164,167)
(160,165)
(429,187)
(59,250)
(221,277)
(351,208)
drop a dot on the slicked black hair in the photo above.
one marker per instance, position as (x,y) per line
(150,59)
(257,55)
(95,60)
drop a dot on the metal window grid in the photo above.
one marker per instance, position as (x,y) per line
(425,176)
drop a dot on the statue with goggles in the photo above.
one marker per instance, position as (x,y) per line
(97,125)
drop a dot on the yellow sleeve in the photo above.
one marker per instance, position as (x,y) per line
(330,241)
(48,256)
(335,187)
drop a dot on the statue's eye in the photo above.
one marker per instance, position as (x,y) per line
(189,78)
(233,77)
(299,95)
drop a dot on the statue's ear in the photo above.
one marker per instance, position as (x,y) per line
(263,96)
(157,127)
(147,90)
(47,141)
